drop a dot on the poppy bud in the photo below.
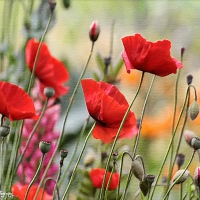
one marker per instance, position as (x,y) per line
(44,146)
(197,176)
(115,154)
(49,92)
(182,178)
(4,131)
(189,79)
(180,158)
(63,153)
(94,31)
(66,3)
(144,186)
(188,135)
(150,178)
(52,5)
(195,143)
(182,51)
(194,110)
(137,169)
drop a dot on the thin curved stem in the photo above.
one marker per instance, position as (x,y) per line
(74,153)
(45,182)
(32,132)
(116,137)
(142,116)
(169,147)
(108,183)
(127,184)
(38,52)
(79,158)
(35,176)
(166,195)
(3,153)
(120,174)
(65,120)
(187,100)
(173,124)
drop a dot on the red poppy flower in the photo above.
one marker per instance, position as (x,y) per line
(20,192)
(107,106)
(15,103)
(152,57)
(97,176)
(50,71)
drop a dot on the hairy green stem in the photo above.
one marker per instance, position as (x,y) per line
(142,116)
(37,54)
(35,176)
(74,153)
(77,163)
(32,132)
(120,174)
(169,147)
(172,185)
(102,192)
(65,120)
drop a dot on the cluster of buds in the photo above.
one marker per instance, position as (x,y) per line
(146,181)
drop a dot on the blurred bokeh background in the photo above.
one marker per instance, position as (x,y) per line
(175,20)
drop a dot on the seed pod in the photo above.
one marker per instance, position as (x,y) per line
(137,169)
(4,131)
(182,178)
(195,143)
(44,146)
(194,110)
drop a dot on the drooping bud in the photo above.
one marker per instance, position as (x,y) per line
(144,186)
(194,110)
(63,153)
(189,79)
(195,143)
(94,31)
(180,158)
(49,92)
(197,176)
(188,135)
(4,131)
(44,146)
(137,169)
(182,178)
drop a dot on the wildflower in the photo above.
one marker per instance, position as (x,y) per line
(50,71)
(97,176)
(107,105)
(15,103)
(20,191)
(149,57)
(94,31)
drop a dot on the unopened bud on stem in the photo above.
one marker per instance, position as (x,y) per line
(94,31)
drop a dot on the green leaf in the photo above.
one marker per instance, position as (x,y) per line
(96,76)
(100,62)
(118,67)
